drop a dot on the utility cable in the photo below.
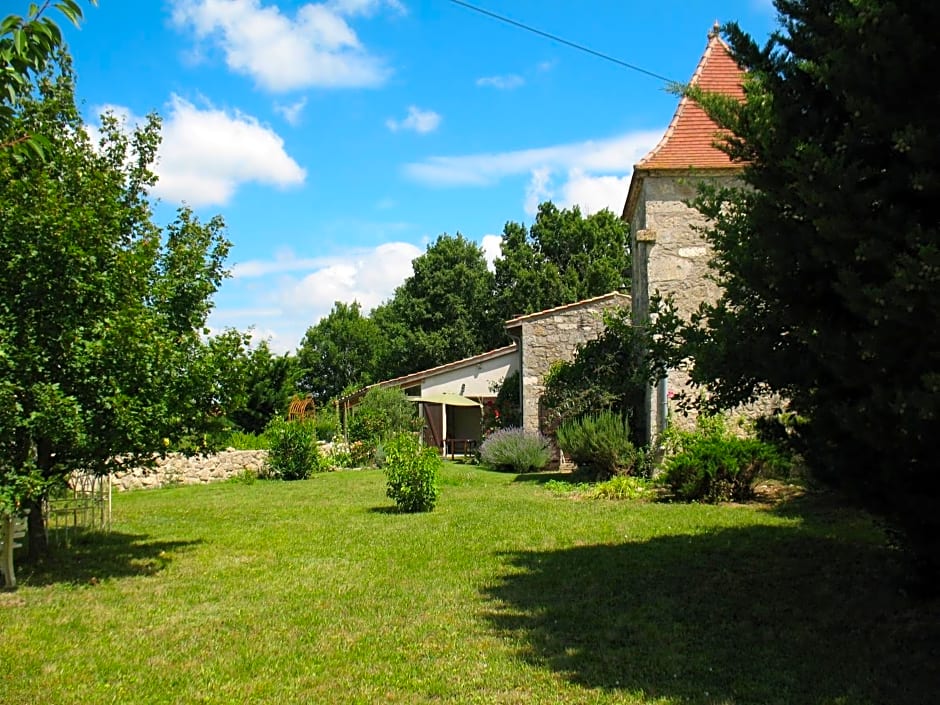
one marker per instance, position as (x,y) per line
(561,40)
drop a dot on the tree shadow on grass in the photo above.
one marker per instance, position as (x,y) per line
(572,476)
(748,615)
(90,557)
(385,509)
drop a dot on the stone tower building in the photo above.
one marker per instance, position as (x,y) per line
(669,254)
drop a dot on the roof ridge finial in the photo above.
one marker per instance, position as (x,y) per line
(715,30)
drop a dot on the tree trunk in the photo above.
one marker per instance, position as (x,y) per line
(38,538)
(38,541)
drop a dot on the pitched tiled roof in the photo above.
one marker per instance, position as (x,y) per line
(424,374)
(689,140)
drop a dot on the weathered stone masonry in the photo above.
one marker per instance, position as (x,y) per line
(177,469)
(554,335)
(670,258)
(670,255)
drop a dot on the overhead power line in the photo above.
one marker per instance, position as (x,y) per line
(561,40)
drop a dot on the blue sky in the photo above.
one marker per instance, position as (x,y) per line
(337,139)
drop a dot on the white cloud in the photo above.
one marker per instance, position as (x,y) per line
(492,248)
(369,277)
(618,154)
(299,291)
(317,47)
(539,189)
(279,342)
(421,121)
(291,113)
(207,153)
(364,7)
(595,193)
(252,313)
(283,262)
(282,337)
(504,83)
(122,113)
(594,174)
(590,193)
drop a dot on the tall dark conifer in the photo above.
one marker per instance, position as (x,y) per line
(830,256)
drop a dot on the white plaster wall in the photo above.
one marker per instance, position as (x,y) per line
(479,380)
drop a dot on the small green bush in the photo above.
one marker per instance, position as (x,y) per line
(508,403)
(361,454)
(599,441)
(336,456)
(378,455)
(382,413)
(247,476)
(712,464)
(327,425)
(411,473)
(293,452)
(516,450)
(561,487)
(621,487)
(240,440)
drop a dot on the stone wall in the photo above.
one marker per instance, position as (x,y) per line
(176,469)
(553,336)
(671,258)
(677,263)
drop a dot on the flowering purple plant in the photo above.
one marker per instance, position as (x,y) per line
(515,449)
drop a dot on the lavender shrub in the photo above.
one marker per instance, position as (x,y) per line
(516,450)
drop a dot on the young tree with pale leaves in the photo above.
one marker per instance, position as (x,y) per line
(103,355)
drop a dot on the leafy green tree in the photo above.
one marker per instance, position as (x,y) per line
(829,256)
(269,386)
(609,373)
(340,352)
(28,45)
(525,280)
(102,315)
(506,409)
(442,312)
(453,307)
(382,413)
(564,257)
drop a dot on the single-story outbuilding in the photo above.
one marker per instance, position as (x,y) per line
(451,396)
(554,335)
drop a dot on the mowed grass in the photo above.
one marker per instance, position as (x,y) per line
(316,592)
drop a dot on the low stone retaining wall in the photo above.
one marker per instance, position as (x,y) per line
(177,469)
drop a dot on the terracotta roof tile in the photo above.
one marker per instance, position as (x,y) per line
(689,140)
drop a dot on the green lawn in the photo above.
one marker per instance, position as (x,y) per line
(315,592)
